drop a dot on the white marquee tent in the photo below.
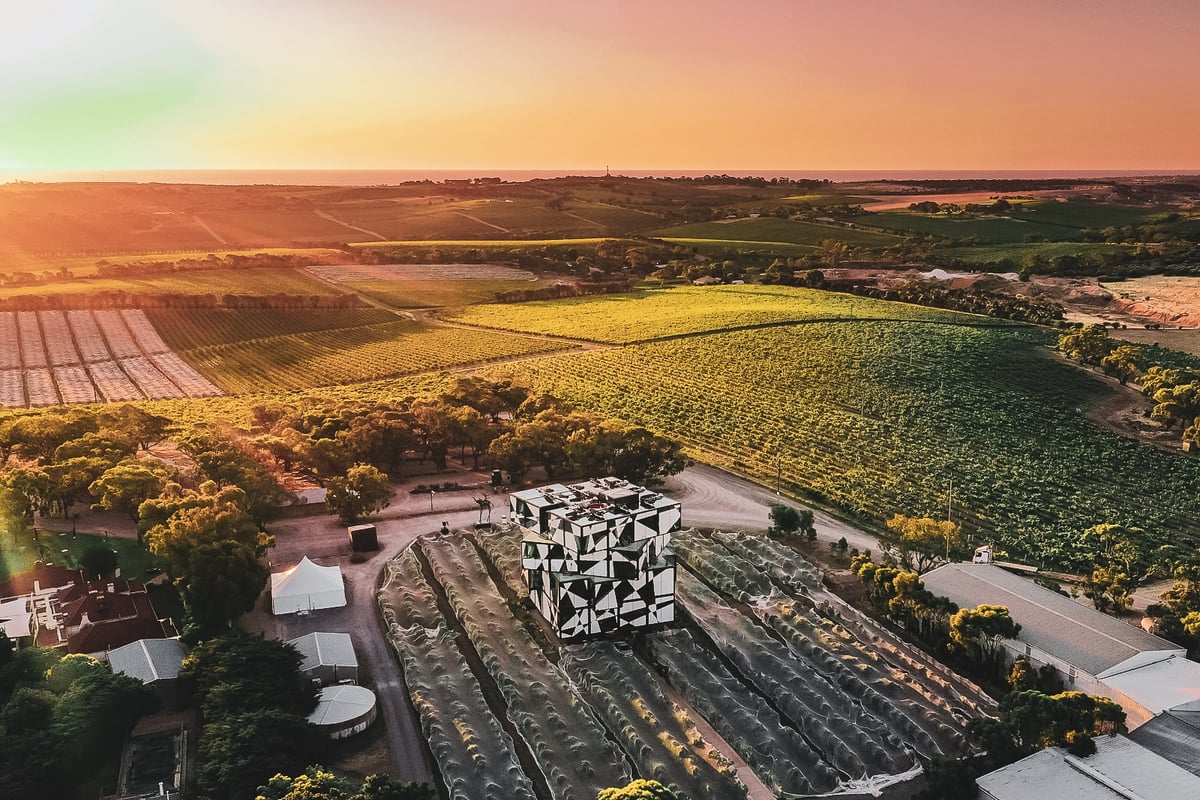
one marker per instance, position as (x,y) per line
(305,587)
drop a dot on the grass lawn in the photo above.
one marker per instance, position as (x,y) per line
(19,551)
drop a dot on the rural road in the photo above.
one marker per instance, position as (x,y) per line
(713,498)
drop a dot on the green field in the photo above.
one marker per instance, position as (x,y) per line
(989,229)
(1017,252)
(435,293)
(216,282)
(1049,219)
(187,329)
(772,230)
(349,355)
(876,418)
(656,313)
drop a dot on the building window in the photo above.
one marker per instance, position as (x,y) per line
(1071,675)
(535,580)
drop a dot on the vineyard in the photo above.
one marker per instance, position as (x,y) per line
(765,669)
(877,418)
(352,354)
(658,313)
(187,329)
(52,357)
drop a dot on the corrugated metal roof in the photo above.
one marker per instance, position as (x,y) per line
(325,649)
(148,660)
(1079,635)
(1174,735)
(1120,769)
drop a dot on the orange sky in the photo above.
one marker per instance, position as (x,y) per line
(655,84)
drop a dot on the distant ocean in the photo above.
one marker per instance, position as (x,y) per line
(380,177)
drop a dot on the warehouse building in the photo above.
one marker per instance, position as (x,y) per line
(1095,652)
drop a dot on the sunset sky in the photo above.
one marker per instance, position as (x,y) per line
(636,84)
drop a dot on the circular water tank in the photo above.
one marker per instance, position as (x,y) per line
(344,710)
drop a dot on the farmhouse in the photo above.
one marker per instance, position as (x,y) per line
(1120,769)
(597,555)
(1094,652)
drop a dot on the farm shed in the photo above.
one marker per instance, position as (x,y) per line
(1120,769)
(343,711)
(327,656)
(155,662)
(1175,735)
(306,587)
(363,538)
(1095,653)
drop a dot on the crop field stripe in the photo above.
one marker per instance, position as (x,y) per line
(811,711)
(488,692)
(856,704)
(657,734)
(543,717)
(773,749)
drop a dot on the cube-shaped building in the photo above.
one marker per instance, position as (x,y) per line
(597,555)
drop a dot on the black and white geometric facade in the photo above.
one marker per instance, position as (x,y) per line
(597,555)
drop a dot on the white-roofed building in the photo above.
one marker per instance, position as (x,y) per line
(1095,653)
(344,711)
(1120,769)
(328,657)
(307,587)
(17,621)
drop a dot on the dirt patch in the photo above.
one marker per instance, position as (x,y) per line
(1163,299)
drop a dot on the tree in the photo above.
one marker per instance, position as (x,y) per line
(1022,677)
(785,518)
(639,789)
(1121,363)
(225,580)
(99,560)
(241,671)
(976,630)
(924,542)
(317,784)
(1088,345)
(144,428)
(313,784)
(127,485)
(806,525)
(1030,721)
(363,491)
(241,751)
(212,553)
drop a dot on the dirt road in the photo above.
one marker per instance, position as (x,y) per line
(715,499)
